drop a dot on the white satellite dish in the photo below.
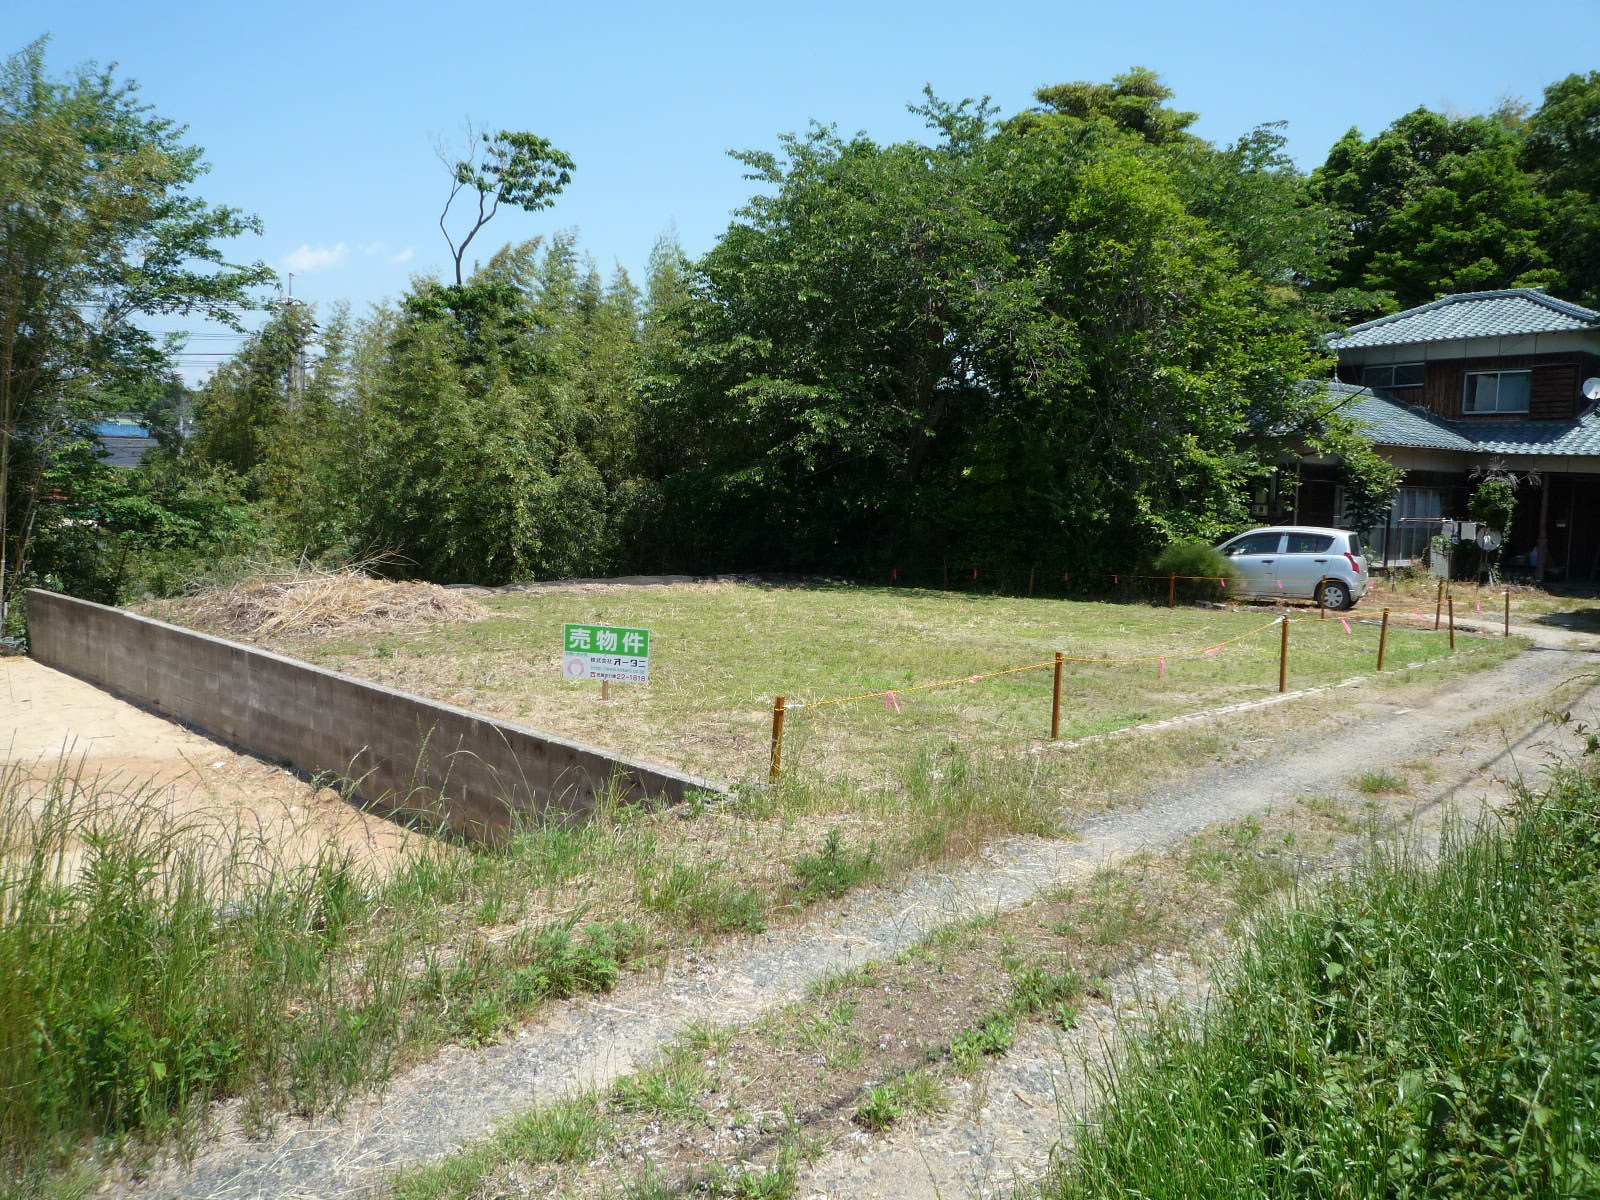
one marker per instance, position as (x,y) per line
(1591,388)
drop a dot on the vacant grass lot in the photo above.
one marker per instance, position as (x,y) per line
(722,651)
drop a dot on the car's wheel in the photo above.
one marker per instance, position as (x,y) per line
(1336,595)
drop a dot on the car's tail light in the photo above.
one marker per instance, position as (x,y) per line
(1355,563)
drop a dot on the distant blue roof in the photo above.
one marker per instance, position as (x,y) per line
(1505,313)
(1390,423)
(120,427)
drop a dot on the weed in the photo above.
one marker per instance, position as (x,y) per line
(1374,783)
(699,898)
(990,1036)
(671,1088)
(1037,989)
(915,1094)
(833,870)
(568,1131)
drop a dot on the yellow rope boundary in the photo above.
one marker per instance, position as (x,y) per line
(1038,666)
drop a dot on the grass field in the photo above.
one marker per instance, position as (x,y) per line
(723,651)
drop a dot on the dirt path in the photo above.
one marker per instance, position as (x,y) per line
(462,1092)
(51,721)
(1001,1133)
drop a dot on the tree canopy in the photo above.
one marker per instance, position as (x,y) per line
(97,226)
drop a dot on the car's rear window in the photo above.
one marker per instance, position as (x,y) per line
(1309,543)
(1355,544)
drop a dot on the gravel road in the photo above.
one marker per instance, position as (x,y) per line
(460,1093)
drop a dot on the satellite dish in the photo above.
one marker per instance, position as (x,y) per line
(1489,540)
(1591,388)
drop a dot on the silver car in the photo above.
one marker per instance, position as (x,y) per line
(1304,562)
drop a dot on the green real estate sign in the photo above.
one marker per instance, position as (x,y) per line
(606,652)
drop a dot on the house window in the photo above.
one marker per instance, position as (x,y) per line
(1395,375)
(1497,392)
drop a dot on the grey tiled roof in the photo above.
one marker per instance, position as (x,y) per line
(1472,315)
(1540,437)
(1394,424)
(1390,423)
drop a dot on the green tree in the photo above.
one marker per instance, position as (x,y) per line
(1036,334)
(474,468)
(517,168)
(1563,152)
(1134,102)
(97,226)
(1435,204)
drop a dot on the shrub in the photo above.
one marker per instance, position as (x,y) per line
(1200,568)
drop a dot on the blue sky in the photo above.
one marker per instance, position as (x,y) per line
(322,117)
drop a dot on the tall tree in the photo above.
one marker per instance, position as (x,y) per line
(97,226)
(1057,330)
(1563,152)
(1435,204)
(517,168)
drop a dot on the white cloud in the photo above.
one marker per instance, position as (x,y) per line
(372,247)
(316,258)
(405,255)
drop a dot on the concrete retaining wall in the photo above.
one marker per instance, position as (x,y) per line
(403,753)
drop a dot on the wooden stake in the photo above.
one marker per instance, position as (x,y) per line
(1055,700)
(1322,608)
(1172,590)
(605,689)
(946,569)
(1031,572)
(1383,638)
(1451,601)
(778,709)
(1438,604)
(1283,656)
(1508,614)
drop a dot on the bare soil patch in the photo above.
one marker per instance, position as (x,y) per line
(52,724)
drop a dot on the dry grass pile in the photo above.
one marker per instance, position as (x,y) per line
(323,604)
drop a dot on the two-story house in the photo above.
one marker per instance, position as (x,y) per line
(1484,381)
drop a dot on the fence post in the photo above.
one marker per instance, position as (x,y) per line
(1383,638)
(1438,605)
(1283,656)
(1508,614)
(778,709)
(1055,700)
(1451,601)
(1031,572)
(945,570)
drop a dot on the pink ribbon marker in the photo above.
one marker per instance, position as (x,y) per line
(1480,606)
(974,678)
(894,573)
(974,572)
(1214,651)
(1066,577)
(1223,582)
(1116,579)
(1345,623)
(1279,582)
(890,702)
(1162,672)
